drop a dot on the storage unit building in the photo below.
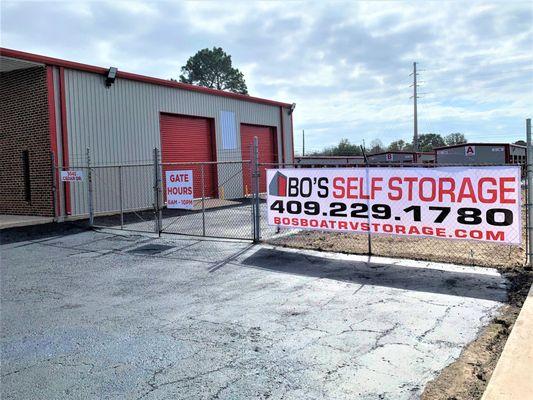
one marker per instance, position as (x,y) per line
(426,157)
(325,161)
(481,153)
(396,157)
(52,106)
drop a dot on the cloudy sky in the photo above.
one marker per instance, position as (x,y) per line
(345,65)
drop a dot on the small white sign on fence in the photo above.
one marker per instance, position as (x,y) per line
(179,189)
(71,176)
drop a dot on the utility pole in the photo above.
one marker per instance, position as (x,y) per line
(415,111)
(303,142)
(529,193)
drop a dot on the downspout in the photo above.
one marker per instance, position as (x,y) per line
(282,158)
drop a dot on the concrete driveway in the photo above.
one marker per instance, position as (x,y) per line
(105,315)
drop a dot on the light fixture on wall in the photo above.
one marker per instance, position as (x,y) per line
(293,106)
(110,76)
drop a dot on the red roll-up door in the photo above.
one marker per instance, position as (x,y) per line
(268,153)
(189,139)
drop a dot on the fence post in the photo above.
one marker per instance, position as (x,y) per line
(529,221)
(251,191)
(157,192)
(369,235)
(255,178)
(54,187)
(120,196)
(203,201)
(90,188)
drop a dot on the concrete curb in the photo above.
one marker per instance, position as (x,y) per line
(513,376)
(17,221)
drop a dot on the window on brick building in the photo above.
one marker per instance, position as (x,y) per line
(26,174)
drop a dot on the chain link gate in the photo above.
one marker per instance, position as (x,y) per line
(224,205)
(133,197)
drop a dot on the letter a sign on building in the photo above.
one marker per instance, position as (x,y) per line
(470,151)
(179,189)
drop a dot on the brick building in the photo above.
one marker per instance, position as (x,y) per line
(25,170)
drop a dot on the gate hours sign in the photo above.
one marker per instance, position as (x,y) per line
(179,189)
(476,203)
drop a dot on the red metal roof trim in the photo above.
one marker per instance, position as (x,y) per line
(134,77)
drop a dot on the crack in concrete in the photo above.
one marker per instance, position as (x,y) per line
(153,386)
(225,386)
(437,323)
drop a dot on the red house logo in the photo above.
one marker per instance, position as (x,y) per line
(278,185)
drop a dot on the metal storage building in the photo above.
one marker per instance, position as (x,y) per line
(392,157)
(425,157)
(323,161)
(121,119)
(479,153)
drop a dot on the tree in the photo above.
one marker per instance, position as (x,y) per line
(344,148)
(376,146)
(428,141)
(455,138)
(213,69)
(399,145)
(520,143)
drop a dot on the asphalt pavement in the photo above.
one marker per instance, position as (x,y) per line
(90,314)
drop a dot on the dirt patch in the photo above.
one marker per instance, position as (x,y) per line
(467,377)
(427,249)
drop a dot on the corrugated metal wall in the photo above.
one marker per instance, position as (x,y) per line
(483,154)
(120,124)
(391,157)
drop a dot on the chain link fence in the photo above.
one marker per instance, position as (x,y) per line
(229,201)
(116,196)
(467,252)
(134,197)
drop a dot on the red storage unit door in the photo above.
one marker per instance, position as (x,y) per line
(189,139)
(267,153)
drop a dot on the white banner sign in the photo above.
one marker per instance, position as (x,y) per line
(71,176)
(476,203)
(179,189)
